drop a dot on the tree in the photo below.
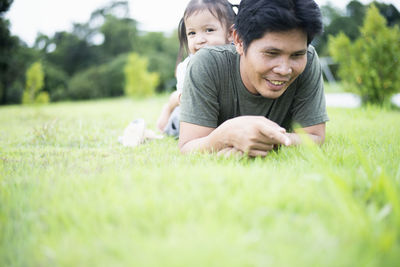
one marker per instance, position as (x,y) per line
(349,21)
(71,53)
(119,35)
(34,85)
(161,52)
(390,12)
(15,56)
(18,61)
(335,21)
(55,82)
(139,81)
(370,65)
(7,44)
(5,5)
(106,80)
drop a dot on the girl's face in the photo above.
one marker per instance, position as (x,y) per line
(203,28)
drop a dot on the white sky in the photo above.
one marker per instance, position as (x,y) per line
(28,17)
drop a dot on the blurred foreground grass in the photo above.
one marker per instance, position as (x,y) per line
(70,195)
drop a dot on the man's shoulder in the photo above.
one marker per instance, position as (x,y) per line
(217,51)
(312,60)
(214,59)
(311,52)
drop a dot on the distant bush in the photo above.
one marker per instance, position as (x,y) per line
(34,85)
(102,81)
(370,66)
(162,64)
(138,80)
(55,82)
(15,92)
(161,51)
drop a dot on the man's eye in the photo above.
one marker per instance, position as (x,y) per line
(271,54)
(298,55)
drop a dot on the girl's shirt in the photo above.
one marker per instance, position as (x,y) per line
(180,73)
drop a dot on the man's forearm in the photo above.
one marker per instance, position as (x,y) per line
(210,143)
(297,139)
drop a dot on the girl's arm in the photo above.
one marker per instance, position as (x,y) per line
(167,109)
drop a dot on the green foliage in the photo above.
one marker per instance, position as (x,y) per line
(5,5)
(34,85)
(102,81)
(71,195)
(349,21)
(71,54)
(119,34)
(370,65)
(56,81)
(19,59)
(161,51)
(34,79)
(42,98)
(390,12)
(138,80)
(11,71)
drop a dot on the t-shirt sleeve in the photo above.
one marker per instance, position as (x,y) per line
(308,107)
(199,100)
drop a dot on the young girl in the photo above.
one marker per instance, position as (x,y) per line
(205,22)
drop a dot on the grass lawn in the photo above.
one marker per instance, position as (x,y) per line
(70,195)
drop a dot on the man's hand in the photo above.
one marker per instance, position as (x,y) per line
(253,135)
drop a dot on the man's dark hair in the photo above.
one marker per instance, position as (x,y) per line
(257,17)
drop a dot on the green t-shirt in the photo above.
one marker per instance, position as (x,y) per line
(214,92)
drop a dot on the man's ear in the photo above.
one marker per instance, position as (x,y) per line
(238,42)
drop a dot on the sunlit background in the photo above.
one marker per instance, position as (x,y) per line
(84,46)
(29,17)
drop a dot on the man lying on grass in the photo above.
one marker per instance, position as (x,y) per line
(244,96)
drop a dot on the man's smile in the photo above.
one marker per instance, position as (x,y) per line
(277,85)
(276,82)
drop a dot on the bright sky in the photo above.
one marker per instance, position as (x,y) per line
(28,17)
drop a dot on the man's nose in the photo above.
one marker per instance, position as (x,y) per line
(283,67)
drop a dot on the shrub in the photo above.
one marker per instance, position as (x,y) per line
(161,51)
(106,80)
(83,85)
(370,65)
(15,92)
(55,82)
(138,80)
(34,85)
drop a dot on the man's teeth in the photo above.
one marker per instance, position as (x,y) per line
(277,82)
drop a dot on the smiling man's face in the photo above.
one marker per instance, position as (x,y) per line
(272,62)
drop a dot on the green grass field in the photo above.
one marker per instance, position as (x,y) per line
(71,195)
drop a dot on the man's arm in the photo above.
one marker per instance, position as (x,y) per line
(253,135)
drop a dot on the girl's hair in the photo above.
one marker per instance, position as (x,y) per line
(221,9)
